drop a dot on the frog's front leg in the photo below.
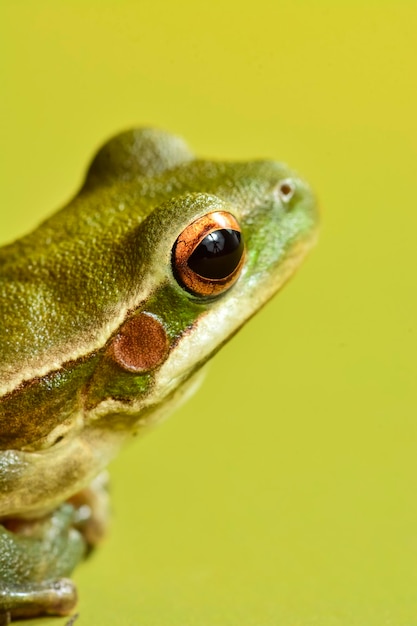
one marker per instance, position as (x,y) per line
(53,597)
(36,556)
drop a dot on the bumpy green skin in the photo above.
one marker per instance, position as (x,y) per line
(66,289)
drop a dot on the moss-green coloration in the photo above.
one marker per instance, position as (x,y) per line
(67,290)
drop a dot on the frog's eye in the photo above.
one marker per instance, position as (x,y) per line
(208,255)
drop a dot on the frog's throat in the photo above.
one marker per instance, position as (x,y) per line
(33,483)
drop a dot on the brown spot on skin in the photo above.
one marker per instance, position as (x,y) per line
(141,344)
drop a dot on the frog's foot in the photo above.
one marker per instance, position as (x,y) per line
(92,510)
(36,556)
(52,597)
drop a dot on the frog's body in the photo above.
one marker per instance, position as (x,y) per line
(106,321)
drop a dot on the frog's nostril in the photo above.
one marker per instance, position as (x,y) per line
(286,189)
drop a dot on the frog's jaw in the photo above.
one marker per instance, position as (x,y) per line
(212,330)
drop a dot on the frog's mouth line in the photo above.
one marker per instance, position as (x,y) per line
(182,385)
(227,319)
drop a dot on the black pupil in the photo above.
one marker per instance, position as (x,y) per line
(218,254)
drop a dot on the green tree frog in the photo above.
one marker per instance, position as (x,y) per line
(109,309)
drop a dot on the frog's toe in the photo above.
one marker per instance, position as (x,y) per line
(52,597)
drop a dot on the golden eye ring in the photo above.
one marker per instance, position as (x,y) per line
(208,255)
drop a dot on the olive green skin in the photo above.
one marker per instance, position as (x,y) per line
(68,287)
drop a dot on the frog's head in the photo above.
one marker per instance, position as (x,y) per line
(216,241)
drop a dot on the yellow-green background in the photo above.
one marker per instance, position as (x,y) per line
(285,492)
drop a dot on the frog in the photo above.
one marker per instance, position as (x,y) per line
(111,307)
